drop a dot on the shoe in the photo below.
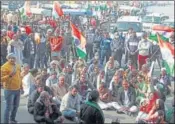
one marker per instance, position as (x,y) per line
(119,112)
(76,120)
(13,122)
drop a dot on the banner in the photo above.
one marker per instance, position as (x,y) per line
(56,43)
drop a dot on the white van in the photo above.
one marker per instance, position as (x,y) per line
(153,19)
(169,22)
(126,22)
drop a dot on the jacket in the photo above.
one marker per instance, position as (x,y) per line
(105,44)
(117,44)
(83,87)
(40,110)
(90,115)
(28,47)
(31,101)
(70,102)
(11,83)
(131,95)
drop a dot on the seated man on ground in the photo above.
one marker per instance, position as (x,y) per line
(59,89)
(83,86)
(165,80)
(105,97)
(33,97)
(45,111)
(126,99)
(52,79)
(39,80)
(115,85)
(70,104)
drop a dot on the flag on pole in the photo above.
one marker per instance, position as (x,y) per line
(164,31)
(162,28)
(167,51)
(25,11)
(79,40)
(57,10)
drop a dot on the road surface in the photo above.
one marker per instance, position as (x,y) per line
(24,117)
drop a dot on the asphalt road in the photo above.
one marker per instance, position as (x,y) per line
(24,117)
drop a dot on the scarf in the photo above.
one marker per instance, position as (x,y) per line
(95,105)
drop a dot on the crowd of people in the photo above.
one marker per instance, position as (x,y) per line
(61,84)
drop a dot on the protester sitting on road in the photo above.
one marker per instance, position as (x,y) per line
(100,78)
(149,104)
(59,89)
(28,80)
(25,70)
(45,111)
(115,85)
(110,71)
(68,74)
(38,81)
(153,115)
(173,113)
(90,112)
(131,77)
(83,86)
(33,97)
(105,96)
(159,88)
(52,79)
(165,80)
(126,99)
(70,104)
(94,75)
(45,75)
(54,67)
(141,89)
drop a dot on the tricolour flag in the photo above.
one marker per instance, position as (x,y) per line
(25,10)
(164,31)
(162,28)
(167,50)
(57,10)
(79,41)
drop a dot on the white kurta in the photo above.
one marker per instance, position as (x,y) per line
(26,83)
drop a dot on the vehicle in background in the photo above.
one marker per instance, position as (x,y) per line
(129,10)
(123,24)
(169,22)
(153,19)
(126,22)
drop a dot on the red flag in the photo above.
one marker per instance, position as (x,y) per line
(163,28)
(58,8)
(56,43)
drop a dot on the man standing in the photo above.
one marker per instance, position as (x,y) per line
(29,50)
(132,48)
(11,79)
(117,46)
(89,45)
(105,49)
(96,42)
(144,50)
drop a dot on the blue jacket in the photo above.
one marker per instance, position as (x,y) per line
(105,44)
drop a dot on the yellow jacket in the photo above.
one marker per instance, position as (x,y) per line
(10,83)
